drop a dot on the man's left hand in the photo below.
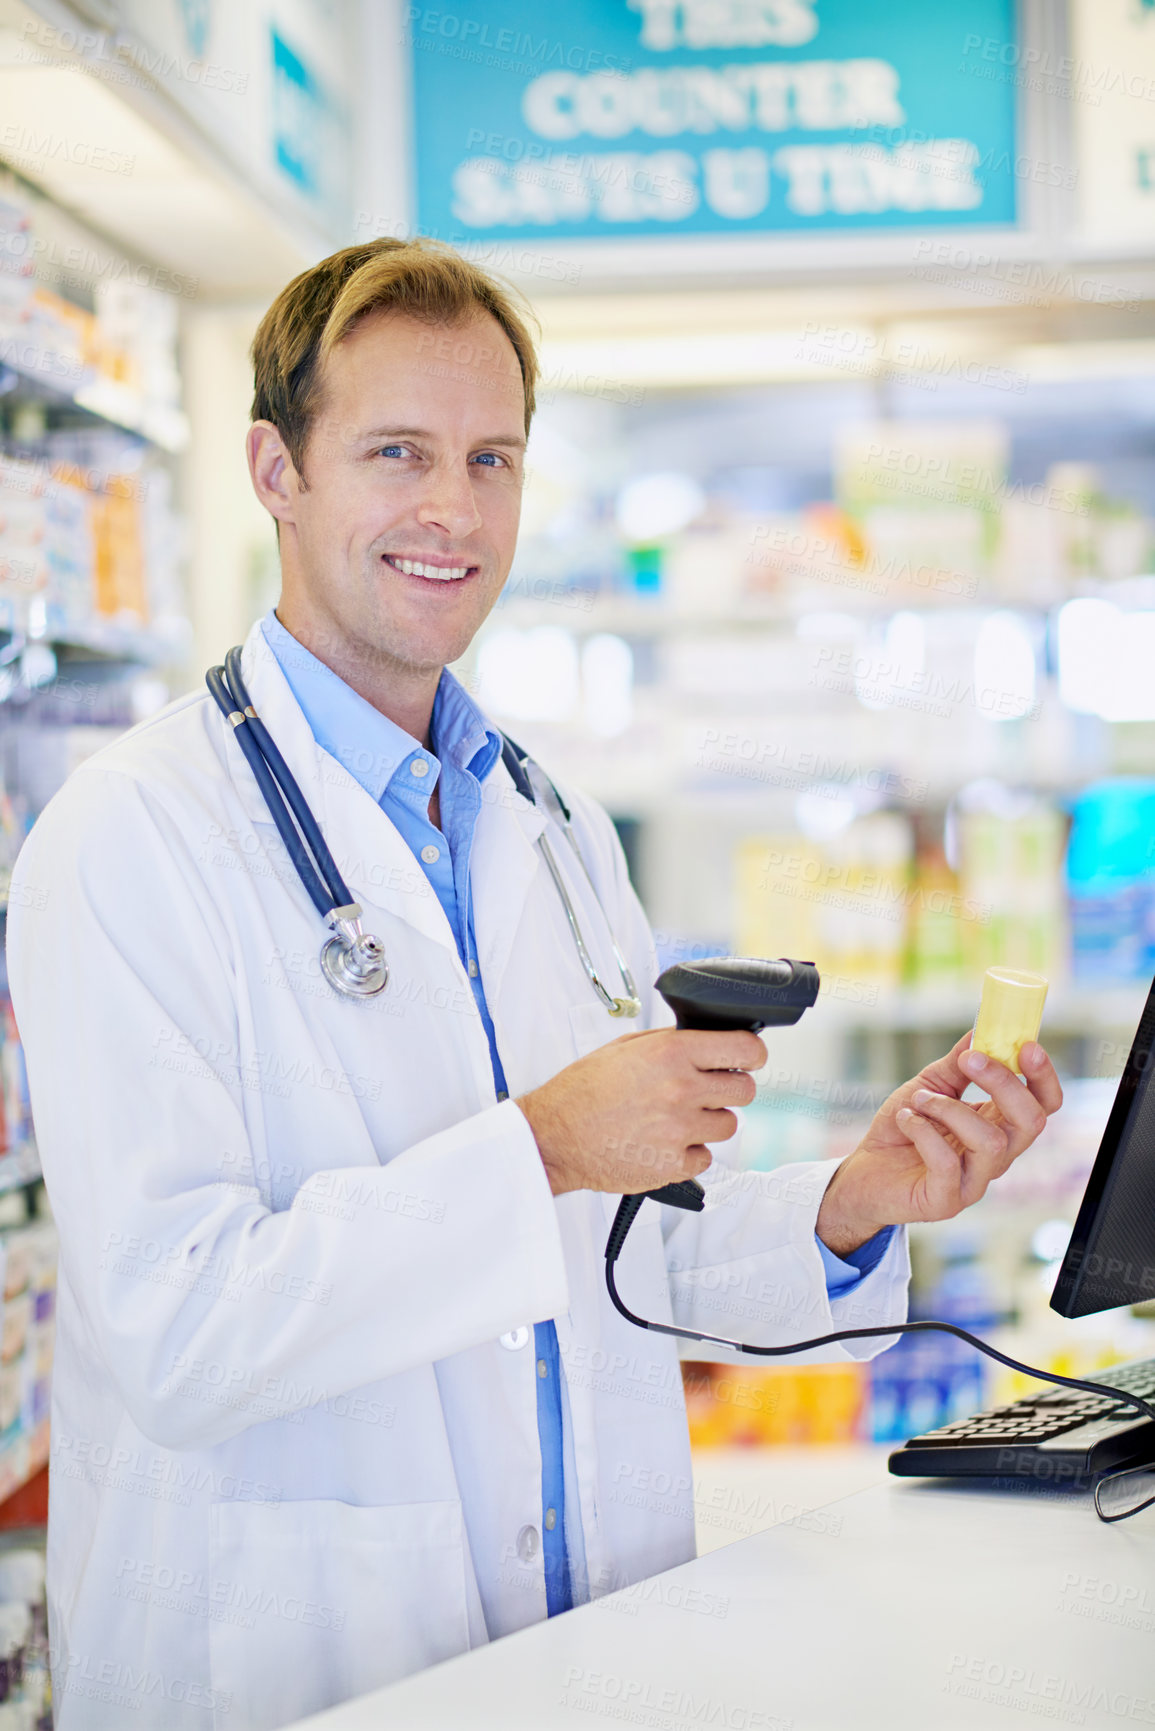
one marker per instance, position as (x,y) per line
(928,1154)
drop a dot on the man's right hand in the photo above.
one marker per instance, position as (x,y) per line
(637,1113)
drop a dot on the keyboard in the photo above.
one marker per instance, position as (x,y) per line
(1058,1436)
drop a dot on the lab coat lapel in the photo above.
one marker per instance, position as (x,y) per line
(371,855)
(503,868)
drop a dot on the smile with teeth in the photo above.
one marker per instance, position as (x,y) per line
(439,573)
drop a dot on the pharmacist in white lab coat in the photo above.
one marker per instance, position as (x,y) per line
(316,1269)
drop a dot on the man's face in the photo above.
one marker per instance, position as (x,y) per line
(414,465)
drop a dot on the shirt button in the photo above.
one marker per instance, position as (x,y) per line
(542,1368)
(550,1520)
(515,1338)
(419,767)
(527,1543)
(431,854)
(472,968)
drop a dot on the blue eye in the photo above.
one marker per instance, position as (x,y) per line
(490,458)
(387,450)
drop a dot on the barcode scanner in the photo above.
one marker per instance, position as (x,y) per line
(722,992)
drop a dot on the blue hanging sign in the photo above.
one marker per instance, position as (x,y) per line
(636,117)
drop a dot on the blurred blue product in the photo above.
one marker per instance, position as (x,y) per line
(1111,880)
(644,570)
(925,1380)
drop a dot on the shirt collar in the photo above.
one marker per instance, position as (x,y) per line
(460,731)
(370,746)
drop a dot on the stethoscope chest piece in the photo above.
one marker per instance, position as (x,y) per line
(353,961)
(357,972)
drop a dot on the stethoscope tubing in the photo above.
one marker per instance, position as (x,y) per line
(306,846)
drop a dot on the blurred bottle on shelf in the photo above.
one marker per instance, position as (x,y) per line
(934,953)
(1011,876)
(841,902)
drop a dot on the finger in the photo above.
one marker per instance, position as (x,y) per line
(713,1125)
(945,1076)
(725,1087)
(1041,1078)
(942,1185)
(978,1135)
(1018,1105)
(724,1048)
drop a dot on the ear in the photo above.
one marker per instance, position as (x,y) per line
(275,480)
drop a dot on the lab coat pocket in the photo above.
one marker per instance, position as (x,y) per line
(314,1602)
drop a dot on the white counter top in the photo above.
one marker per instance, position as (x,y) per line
(906,1607)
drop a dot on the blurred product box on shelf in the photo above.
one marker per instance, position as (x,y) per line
(15,1107)
(25,1684)
(88,525)
(926,494)
(27,1335)
(24,492)
(59,338)
(1111,880)
(737,1405)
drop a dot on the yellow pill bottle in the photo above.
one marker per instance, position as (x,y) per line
(1010,1014)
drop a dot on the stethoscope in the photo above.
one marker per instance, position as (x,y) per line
(354,961)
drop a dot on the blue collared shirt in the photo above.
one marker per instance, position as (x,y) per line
(400,774)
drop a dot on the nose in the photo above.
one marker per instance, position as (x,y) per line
(448,502)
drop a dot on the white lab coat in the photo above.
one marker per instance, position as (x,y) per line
(295,1442)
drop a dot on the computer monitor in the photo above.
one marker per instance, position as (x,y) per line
(1111,1257)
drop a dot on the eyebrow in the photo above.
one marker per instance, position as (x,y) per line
(514,441)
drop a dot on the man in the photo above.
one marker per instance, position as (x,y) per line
(339,1391)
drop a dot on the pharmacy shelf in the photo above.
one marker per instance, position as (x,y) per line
(111,639)
(56,378)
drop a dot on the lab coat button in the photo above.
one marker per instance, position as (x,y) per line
(527,1543)
(550,1520)
(515,1338)
(542,1368)
(472,968)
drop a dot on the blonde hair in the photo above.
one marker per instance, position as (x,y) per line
(424,279)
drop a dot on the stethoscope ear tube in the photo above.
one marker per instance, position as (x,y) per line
(297,852)
(233,705)
(338,895)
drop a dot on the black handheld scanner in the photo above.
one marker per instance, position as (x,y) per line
(733,992)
